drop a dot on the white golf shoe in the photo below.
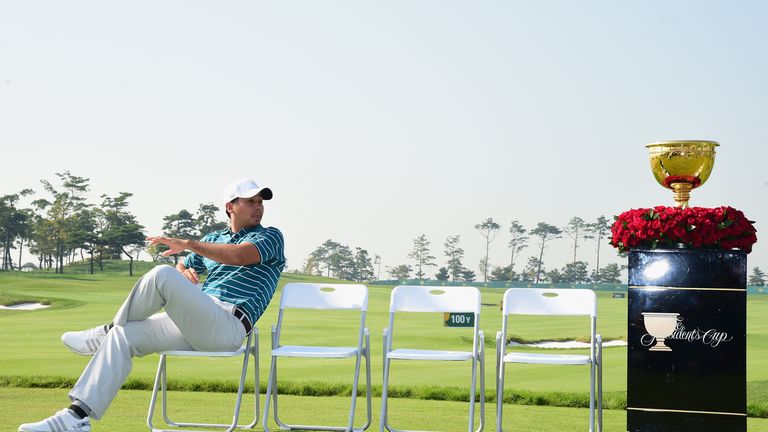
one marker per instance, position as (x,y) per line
(62,421)
(85,342)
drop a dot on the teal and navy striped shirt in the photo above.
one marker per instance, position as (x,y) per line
(249,287)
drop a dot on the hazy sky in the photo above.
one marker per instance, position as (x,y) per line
(375,122)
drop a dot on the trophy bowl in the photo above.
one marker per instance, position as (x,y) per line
(682,165)
(660,325)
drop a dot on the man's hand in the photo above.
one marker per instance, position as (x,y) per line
(188,273)
(175,245)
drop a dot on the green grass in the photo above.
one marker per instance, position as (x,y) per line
(128,412)
(32,355)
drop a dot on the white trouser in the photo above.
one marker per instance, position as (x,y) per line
(192,320)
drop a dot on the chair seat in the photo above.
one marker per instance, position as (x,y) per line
(314,351)
(414,354)
(193,353)
(519,357)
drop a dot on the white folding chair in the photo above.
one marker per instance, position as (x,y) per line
(250,348)
(322,297)
(436,299)
(546,301)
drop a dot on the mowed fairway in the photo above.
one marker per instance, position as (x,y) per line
(31,347)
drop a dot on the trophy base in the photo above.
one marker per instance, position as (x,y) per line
(660,348)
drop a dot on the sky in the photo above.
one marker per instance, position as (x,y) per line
(376,122)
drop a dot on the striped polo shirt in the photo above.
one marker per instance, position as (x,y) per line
(249,287)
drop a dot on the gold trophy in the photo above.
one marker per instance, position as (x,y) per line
(682,165)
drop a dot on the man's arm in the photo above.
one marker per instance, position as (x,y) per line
(240,254)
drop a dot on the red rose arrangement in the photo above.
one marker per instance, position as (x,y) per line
(696,227)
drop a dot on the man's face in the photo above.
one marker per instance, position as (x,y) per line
(246,212)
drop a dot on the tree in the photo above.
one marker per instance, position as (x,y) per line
(43,243)
(14,223)
(487,229)
(468,275)
(442,274)
(400,272)
(320,257)
(181,225)
(483,266)
(420,254)
(362,267)
(339,261)
(326,254)
(546,233)
(312,267)
(608,274)
(156,252)
(85,235)
(598,230)
(377,263)
(342,263)
(533,267)
(122,231)
(58,223)
(454,254)
(25,232)
(555,276)
(757,278)
(517,242)
(501,274)
(575,272)
(576,230)
(207,219)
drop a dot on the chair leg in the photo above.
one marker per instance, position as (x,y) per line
(592,396)
(353,402)
(600,385)
(500,405)
(499,379)
(153,399)
(275,398)
(472,395)
(384,384)
(482,392)
(268,395)
(254,351)
(164,393)
(241,386)
(368,379)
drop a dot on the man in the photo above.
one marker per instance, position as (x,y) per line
(243,263)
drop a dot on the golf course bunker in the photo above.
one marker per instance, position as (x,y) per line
(26,306)
(567,344)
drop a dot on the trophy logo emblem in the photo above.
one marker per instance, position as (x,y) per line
(660,325)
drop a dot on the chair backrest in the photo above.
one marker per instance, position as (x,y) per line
(550,301)
(324,296)
(420,298)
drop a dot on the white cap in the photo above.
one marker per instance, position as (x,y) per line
(245,188)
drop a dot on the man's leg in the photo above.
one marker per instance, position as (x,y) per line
(105,374)
(204,323)
(192,320)
(161,287)
(108,369)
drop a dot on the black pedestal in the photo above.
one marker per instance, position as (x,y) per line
(695,378)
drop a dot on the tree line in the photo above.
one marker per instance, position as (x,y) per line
(61,227)
(338,260)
